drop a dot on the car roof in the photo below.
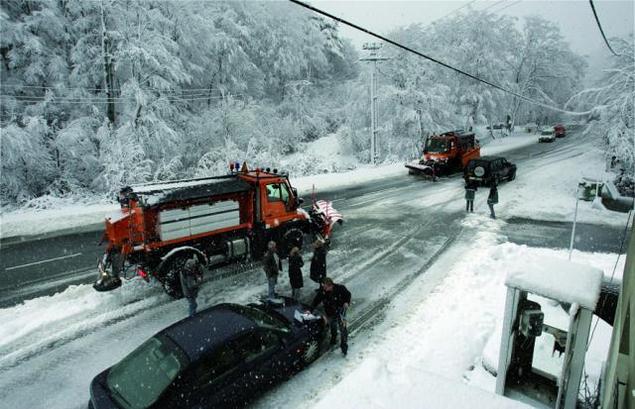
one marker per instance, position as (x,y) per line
(208,329)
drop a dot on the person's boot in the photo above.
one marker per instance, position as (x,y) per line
(344,349)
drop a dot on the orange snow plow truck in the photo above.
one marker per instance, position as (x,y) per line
(445,154)
(217,219)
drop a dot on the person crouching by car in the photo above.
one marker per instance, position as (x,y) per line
(335,298)
(295,272)
(191,277)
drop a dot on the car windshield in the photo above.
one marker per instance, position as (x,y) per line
(262,318)
(435,145)
(141,377)
(546,131)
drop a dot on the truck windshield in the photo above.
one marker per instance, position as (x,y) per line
(434,145)
(277,192)
(140,378)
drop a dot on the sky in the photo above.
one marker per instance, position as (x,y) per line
(575,16)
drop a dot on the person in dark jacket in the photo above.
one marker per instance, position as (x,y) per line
(470,192)
(272,265)
(295,272)
(335,298)
(191,275)
(318,262)
(492,199)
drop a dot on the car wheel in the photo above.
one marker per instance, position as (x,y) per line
(311,351)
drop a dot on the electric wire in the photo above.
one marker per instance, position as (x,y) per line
(597,20)
(507,6)
(434,60)
(454,11)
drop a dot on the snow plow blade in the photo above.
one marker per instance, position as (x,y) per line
(415,168)
(107,284)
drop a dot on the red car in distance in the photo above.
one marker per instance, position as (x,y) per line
(559,131)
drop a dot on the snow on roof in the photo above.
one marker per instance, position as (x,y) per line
(557,279)
(177,184)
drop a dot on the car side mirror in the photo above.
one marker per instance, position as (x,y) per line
(300,201)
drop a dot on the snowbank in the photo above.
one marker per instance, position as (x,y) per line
(374,385)
(454,329)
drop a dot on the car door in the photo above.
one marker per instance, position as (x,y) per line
(276,204)
(263,353)
(505,169)
(211,382)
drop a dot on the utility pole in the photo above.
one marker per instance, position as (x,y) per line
(373,57)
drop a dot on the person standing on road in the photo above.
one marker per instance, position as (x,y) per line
(295,272)
(492,199)
(336,299)
(318,262)
(470,192)
(191,275)
(272,265)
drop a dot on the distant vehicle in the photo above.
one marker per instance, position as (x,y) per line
(531,127)
(217,219)
(446,153)
(487,169)
(560,131)
(547,135)
(219,358)
(498,125)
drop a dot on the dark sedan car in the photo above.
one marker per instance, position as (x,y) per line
(486,170)
(219,358)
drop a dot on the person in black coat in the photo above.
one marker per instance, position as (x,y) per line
(295,272)
(318,262)
(335,298)
(492,199)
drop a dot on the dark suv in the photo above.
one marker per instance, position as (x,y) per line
(487,169)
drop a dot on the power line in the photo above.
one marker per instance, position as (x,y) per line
(54,87)
(454,11)
(507,6)
(89,100)
(597,20)
(493,5)
(434,60)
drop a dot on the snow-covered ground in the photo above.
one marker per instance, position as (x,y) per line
(442,335)
(433,343)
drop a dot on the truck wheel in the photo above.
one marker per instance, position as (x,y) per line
(171,279)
